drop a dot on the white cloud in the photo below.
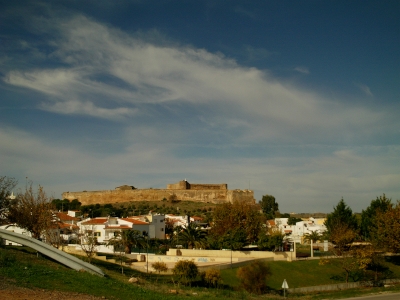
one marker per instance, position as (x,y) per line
(365,89)
(303,70)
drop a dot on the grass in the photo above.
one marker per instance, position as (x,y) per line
(22,267)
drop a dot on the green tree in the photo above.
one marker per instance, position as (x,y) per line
(293,220)
(128,239)
(313,236)
(368,216)
(234,239)
(192,236)
(270,239)
(269,206)
(186,270)
(7,184)
(342,216)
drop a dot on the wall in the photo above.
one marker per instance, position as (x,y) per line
(115,196)
(185,253)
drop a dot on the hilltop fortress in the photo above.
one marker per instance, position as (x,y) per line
(183,190)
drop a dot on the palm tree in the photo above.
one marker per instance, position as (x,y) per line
(313,236)
(128,239)
(192,236)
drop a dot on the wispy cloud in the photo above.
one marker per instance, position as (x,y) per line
(365,89)
(302,70)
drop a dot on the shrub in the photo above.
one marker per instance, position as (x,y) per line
(160,266)
(253,277)
(212,277)
(186,270)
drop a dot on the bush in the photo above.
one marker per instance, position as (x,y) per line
(253,277)
(212,277)
(159,266)
(186,270)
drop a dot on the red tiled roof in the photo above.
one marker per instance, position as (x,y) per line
(117,227)
(135,222)
(95,221)
(64,217)
(271,222)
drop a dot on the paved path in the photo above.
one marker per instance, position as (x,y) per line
(383,296)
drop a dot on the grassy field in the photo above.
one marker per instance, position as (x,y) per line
(22,267)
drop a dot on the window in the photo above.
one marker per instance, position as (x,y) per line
(161,220)
(162,229)
(97,234)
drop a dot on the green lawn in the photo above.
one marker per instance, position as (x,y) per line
(22,267)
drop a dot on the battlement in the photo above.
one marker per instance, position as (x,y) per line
(185,185)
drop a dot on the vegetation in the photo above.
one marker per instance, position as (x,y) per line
(253,277)
(269,206)
(32,211)
(186,270)
(191,237)
(7,184)
(342,217)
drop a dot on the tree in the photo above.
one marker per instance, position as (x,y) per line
(159,266)
(313,236)
(269,206)
(7,184)
(385,234)
(89,243)
(212,277)
(239,214)
(32,211)
(368,216)
(186,270)
(293,220)
(253,277)
(192,236)
(270,239)
(234,239)
(342,216)
(127,239)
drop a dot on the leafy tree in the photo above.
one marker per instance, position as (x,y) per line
(239,214)
(186,270)
(127,239)
(235,239)
(368,222)
(293,220)
(269,206)
(314,236)
(192,236)
(385,235)
(32,211)
(253,277)
(342,217)
(270,239)
(7,184)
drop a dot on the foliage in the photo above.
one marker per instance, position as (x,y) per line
(212,277)
(186,270)
(253,277)
(192,236)
(228,217)
(342,216)
(64,205)
(314,236)
(234,239)
(385,235)
(159,266)
(6,186)
(269,206)
(293,220)
(32,211)
(89,245)
(270,239)
(368,223)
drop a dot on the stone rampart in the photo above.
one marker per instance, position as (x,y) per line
(118,196)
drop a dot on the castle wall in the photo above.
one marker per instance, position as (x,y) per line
(118,196)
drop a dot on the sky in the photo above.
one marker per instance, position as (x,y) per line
(295,99)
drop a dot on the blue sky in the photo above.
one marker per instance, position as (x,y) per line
(297,99)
